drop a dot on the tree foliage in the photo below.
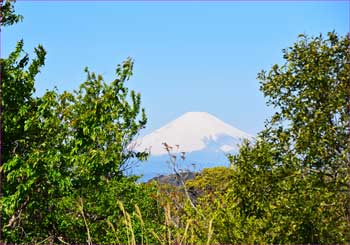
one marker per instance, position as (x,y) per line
(294,180)
(312,94)
(292,184)
(7,14)
(61,150)
(65,154)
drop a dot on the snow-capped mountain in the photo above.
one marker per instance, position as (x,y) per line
(204,138)
(191,132)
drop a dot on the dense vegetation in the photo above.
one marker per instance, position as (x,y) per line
(64,157)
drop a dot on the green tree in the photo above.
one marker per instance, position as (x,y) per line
(65,155)
(7,14)
(294,181)
(312,94)
(17,86)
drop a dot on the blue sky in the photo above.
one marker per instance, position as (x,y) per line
(189,56)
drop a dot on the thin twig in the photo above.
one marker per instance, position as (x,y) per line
(81,209)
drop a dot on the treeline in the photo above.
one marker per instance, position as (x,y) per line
(64,156)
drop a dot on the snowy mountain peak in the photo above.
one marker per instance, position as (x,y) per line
(193,131)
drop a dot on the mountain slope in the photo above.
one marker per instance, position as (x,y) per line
(192,132)
(205,139)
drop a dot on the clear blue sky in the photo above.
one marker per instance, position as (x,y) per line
(189,56)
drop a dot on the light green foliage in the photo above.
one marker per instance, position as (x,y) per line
(66,150)
(206,182)
(284,203)
(312,94)
(294,180)
(77,148)
(292,184)
(7,14)
(17,78)
(65,156)
(210,189)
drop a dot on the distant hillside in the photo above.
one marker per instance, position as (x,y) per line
(173,179)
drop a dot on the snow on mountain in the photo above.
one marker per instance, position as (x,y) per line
(192,132)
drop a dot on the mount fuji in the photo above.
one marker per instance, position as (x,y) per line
(204,139)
